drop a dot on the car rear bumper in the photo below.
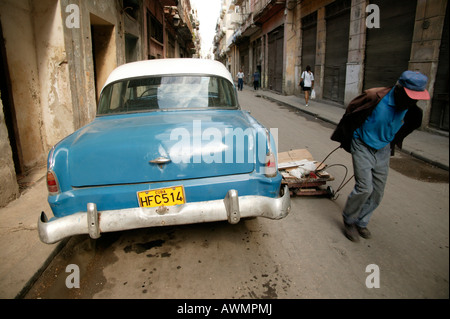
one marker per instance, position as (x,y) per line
(231,208)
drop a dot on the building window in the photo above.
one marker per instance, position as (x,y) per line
(154,28)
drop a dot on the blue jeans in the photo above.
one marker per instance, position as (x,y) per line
(371,169)
(240,84)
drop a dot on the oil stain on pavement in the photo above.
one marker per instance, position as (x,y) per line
(417,169)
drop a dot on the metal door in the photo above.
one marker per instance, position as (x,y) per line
(309,35)
(439,110)
(388,48)
(275,59)
(336,52)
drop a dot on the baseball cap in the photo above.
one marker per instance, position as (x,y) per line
(414,84)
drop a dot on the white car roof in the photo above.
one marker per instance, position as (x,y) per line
(169,67)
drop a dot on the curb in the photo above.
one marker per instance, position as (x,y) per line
(29,284)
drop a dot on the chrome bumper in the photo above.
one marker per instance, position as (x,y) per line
(231,208)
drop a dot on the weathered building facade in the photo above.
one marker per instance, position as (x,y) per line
(55,56)
(350,45)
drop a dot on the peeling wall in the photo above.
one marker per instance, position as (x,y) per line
(53,81)
(56,104)
(18,32)
(38,70)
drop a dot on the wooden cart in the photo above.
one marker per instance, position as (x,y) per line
(309,184)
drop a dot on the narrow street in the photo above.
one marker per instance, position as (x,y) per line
(302,256)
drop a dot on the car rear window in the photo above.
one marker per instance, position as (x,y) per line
(167,92)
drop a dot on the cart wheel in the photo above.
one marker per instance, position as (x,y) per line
(330,192)
(281,191)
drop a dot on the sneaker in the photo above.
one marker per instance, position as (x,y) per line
(306,105)
(364,232)
(351,232)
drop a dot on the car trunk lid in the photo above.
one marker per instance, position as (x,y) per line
(162,146)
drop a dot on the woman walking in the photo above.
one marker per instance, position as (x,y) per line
(308,82)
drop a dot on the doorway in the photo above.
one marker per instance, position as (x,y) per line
(103,51)
(309,35)
(336,50)
(275,60)
(131,48)
(8,107)
(388,48)
(439,116)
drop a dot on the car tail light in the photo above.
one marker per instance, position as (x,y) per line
(52,183)
(270,169)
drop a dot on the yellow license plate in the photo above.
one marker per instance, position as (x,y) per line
(169,196)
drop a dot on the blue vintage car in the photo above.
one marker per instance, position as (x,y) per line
(169,145)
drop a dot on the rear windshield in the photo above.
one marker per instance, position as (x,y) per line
(166,92)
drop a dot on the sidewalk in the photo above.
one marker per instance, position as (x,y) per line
(23,256)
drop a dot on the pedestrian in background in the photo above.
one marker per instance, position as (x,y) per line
(372,125)
(240,77)
(256,77)
(308,83)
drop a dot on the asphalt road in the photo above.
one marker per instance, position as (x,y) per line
(302,256)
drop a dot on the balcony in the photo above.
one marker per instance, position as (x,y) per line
(179,19)
(266,9)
